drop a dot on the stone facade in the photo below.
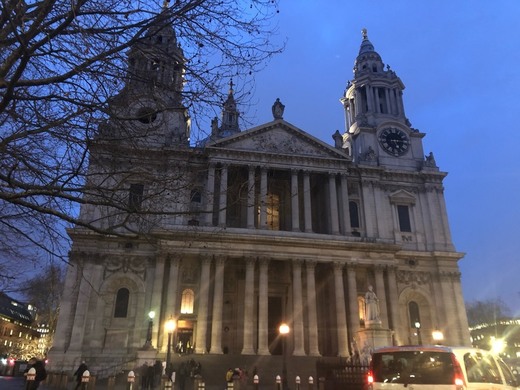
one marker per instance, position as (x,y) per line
(256,227)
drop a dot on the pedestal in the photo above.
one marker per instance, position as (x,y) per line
(148,355)
(371,337)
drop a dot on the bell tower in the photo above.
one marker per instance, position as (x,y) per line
(377,130)
(149,109)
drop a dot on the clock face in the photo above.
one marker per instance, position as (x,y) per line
(394,141)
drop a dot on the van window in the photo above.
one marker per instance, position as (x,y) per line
(508,375)
(423,367)
(481,368)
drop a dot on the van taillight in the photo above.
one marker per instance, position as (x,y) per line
(370,378)
(458,376)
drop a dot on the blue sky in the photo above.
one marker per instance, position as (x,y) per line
(460,63)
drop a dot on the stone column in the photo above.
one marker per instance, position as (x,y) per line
(450,308)
(251,198)
(70,295)
(376,96)
(299,349)
(368,207)
(263,198)
(80,315)
(341,320)
(394,302)
(381,294)
(311,308)
(223,196)
(156,303)
(352,298)
(333,204)
(387,99)
(344,206)
(463,319)
(210,195)
(218,302)
(249,295)
(295,210)
(370,100)
(263,342)
(173,286)
(202,312)
(307,201)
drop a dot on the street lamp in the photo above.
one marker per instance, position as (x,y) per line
(437,336)
(418,327)
(148,343)
(284,330)
(170,327)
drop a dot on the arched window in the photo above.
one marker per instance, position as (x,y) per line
(413,311)
(354,214)
(187,301)
(121,306)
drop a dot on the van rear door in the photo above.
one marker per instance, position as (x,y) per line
(424,370)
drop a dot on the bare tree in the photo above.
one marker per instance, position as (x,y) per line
(486,312)
(61,63)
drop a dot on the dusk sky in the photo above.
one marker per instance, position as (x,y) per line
(460,63)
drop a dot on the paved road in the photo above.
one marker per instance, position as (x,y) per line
(16,383)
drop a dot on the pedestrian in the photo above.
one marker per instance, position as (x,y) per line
(157,374)
(79,374)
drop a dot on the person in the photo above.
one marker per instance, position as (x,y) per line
(41,373)
(157,374)
(79,374)
(371,306)
(229,376)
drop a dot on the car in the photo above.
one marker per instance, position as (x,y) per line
(421,367)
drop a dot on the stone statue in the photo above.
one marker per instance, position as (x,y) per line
(371,306)
(278,109)
(214,126)
(430,161)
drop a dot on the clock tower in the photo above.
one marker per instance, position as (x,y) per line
(149,111)
(377,130)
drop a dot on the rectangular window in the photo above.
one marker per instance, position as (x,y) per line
(403,214)
(135,197)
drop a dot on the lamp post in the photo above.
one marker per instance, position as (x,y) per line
(170,328)
(148,343)
(418,327)
(284,330)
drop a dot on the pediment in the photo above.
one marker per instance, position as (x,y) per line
(278,137)
(402,197)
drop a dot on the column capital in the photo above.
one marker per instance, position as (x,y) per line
(338,265)
(250,260)
(311,263)
(297,262)
(220,259)
(264,260)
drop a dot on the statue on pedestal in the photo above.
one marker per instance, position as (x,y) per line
(372,313)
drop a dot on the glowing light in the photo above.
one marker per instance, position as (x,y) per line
(497,345)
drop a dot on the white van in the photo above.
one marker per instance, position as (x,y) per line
(438,367)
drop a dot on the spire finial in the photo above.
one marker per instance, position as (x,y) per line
(231,86)
(365,33)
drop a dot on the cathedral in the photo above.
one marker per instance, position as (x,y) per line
(346,242)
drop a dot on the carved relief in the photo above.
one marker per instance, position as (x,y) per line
(410,277)
(135,265)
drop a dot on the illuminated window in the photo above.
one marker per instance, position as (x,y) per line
(361,305)
(187,301)
(121,306)
(273,212)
